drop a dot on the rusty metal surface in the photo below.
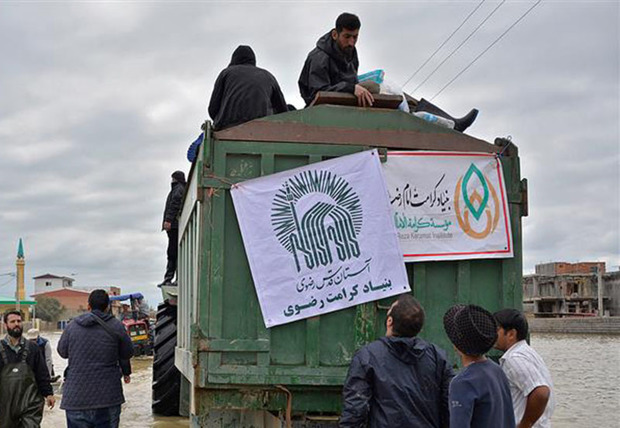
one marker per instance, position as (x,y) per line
(272,131)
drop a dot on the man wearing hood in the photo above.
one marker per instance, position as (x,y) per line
(332,65)
(98,349)
(399,380)
(244,92)
(171,223)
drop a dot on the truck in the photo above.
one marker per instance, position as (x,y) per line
(215,360)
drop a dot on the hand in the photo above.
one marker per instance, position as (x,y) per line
(364,97)
(167,225)
(127,378)
(50,401)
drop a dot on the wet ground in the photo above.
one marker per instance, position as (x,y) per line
(585,371)
(136,412)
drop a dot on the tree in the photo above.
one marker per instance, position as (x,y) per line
(48,309)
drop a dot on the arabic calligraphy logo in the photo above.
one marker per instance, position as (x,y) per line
(316,214)
(483,206)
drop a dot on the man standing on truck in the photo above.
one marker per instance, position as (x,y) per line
(244,92)
(171,223)
(98,349)
(399,380)
(531,386)
(24,379)
(333,66)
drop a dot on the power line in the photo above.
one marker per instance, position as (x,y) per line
(443,44)
(489,47)
(459,46)
(7,282)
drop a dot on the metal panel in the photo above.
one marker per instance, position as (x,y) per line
(236,358)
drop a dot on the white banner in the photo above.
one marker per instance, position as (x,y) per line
(320,238)
(449,205)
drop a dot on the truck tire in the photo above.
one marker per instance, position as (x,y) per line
(166,377)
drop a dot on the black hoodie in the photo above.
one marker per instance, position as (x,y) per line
(244,92)
(397,382)
(327,69)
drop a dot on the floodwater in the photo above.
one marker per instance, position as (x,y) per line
(586,376)
(585,371)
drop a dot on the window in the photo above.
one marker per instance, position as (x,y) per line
(48,283)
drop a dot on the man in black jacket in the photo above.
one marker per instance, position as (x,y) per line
(171,223)
(332,65)
(399,380)
(24,379)
(244,92)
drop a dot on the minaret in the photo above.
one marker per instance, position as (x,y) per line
(20,263)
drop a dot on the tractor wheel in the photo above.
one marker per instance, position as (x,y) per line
(166,377)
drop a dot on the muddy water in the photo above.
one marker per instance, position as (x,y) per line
(136,412)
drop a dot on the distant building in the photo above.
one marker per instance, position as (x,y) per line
(49,282)
(570,289)
(8,303)
(74,300)
(562,268)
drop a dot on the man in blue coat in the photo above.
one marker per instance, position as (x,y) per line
(399,380)
(98,349)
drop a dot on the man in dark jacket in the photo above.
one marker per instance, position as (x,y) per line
(244,92)
(98,349)
(333,64)
(171,223)
(24,379)
(399,380)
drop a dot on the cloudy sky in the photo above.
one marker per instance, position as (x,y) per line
(99,101)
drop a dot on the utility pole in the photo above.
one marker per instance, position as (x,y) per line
(601,308)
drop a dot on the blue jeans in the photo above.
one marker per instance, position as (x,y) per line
(107,417)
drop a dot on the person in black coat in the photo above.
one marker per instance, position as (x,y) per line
(244,92)
(399,380)
(332,65)
(171,223)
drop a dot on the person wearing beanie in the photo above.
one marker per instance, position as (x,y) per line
(171,223)
(399,380)
(480,393)
(244,92)
(531,386)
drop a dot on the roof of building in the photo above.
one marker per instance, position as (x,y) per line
(11,301)
(20,249)
(49,275)
(58,290)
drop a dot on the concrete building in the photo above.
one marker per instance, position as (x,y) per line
(49,282)
(562,268)
(565,289)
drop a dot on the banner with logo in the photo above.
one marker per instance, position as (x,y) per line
(320,238)
(449,205)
